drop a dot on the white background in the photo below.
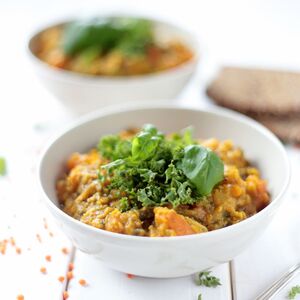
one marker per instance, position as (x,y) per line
(252,33)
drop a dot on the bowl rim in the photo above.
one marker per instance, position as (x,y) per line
(88,78)
(217,111)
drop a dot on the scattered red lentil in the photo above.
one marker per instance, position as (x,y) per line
(3,246)
(65,295)
(12,241)
(65,251)
(18,250)
(61,278)
(48,258)
(130,276)
(20,297)
(71,267)
(70,275)
(82,282)
(51,234)
(43,270)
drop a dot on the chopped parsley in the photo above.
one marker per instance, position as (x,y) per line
(205,279)
(199,297)
(2,166)
(152,170)
(294,291)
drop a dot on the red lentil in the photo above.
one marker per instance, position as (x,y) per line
(70,275)
(12,241)
(65,251)
(71,267)
(48,258)
(82,282)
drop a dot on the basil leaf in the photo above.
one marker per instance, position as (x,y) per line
(129,35)
(97,32)
(187,136)
(88,55)
(145,144)
(139,35)
(202,167)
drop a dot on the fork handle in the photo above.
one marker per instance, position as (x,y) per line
(279,284)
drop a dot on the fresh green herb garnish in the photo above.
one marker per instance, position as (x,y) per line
(113,148)
(202,167)
(204,278)
(199,297)
(2,166)
(100,35)
(294,291)
(152,170)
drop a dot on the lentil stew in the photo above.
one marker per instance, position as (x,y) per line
(145,183)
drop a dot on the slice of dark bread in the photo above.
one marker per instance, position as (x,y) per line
(257,91)
(287,129)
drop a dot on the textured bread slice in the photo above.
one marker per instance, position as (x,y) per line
(255,91)
(286,129)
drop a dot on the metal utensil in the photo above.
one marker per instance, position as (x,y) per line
(279,284)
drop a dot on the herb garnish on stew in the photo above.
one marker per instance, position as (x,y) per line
(152,170)
(111,46)
(146,183)
(100,35)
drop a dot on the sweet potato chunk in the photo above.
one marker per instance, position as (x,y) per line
(169,223)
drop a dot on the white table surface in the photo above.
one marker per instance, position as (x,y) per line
(231,32)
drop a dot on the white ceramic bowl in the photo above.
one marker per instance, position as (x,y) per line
(167,256)
(82,93)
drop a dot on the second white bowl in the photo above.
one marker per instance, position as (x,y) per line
(82,93)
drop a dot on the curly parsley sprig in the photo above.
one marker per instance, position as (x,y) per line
(205,279)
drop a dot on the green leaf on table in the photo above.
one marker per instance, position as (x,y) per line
(2,166)
(294,291)
(205,279)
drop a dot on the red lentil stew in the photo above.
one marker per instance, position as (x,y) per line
(146,183)
(110,47)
